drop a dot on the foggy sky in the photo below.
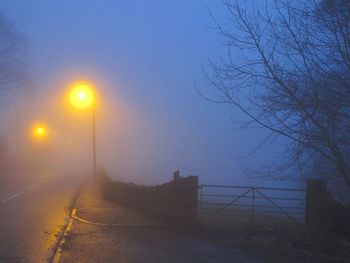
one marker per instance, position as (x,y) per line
(144,57)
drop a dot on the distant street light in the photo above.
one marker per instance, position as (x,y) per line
(40,132)
(82,96)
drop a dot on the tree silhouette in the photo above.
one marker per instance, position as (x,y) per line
(288,70)
(13,70)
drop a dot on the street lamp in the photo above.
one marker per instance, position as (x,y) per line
(82,96)
(39,132)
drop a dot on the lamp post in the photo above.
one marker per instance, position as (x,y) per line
(82,96)
(94,175)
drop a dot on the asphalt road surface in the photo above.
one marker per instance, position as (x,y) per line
(32,213)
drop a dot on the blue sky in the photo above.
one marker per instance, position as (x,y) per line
(145,57)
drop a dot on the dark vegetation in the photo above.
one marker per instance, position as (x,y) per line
(14,75)
(14,78)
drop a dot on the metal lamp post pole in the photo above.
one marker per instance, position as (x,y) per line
(94,175)
(16,131)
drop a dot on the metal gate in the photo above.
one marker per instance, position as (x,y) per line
(258,205)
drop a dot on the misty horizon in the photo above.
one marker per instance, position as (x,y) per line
(146,64)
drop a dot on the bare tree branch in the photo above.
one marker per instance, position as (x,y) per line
(290,75)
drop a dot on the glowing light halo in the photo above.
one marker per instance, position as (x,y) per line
(40,131)
(82,96)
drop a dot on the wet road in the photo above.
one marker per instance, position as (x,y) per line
(32,213)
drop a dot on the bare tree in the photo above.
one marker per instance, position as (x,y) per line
(288,70)
(13,70)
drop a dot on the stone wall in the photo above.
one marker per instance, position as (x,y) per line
(175,200)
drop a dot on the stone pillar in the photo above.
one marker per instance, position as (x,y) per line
(176,175)
(317,198)
(193,197)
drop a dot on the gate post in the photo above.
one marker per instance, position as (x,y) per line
(193,196)
(316,198)
(200,202)
(253,207)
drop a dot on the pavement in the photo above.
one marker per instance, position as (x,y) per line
(106,232)
(33,210)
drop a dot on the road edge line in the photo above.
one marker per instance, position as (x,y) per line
(57,250)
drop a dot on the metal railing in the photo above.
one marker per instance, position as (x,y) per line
(254,204)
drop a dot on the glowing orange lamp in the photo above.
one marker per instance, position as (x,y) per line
(81,96)
(40,132)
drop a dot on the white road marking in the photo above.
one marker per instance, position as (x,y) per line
(11,198)
(33,187)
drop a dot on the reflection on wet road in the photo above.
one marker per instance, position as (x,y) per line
(32,212)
